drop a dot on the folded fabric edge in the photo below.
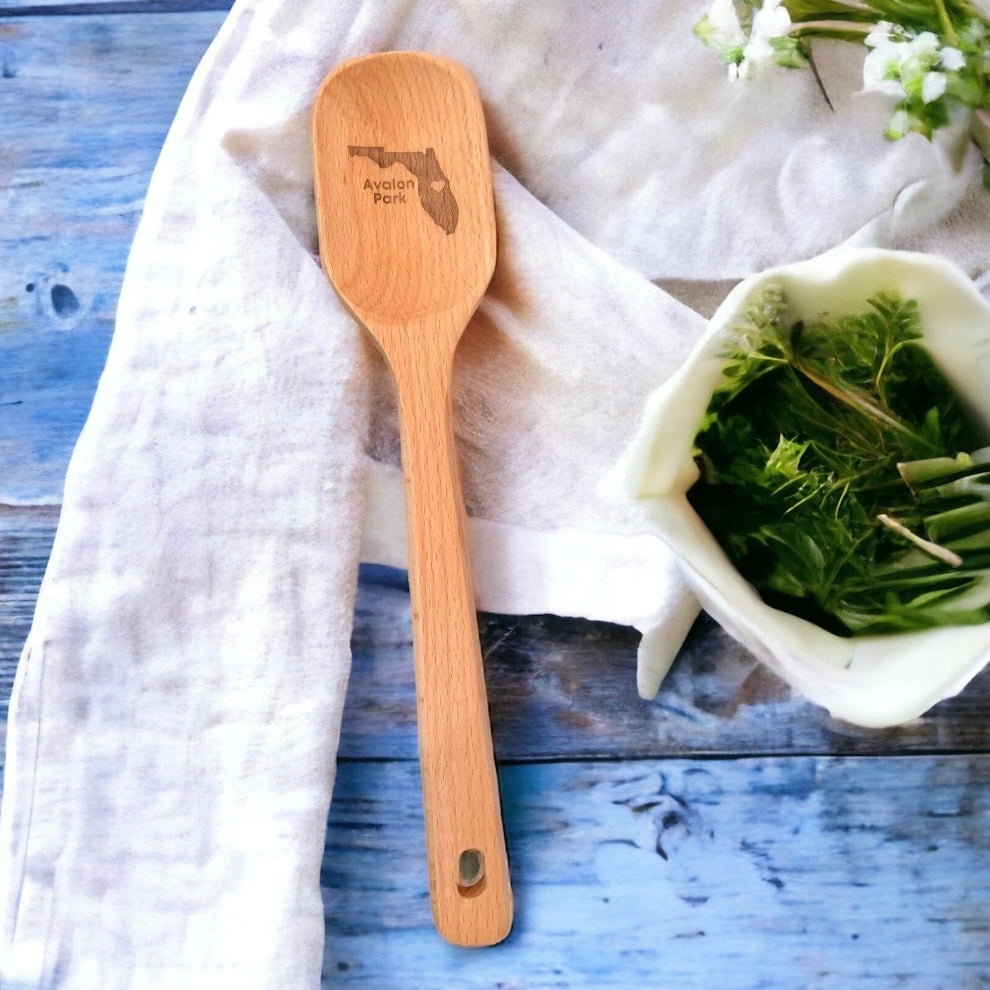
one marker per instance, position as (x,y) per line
(520,571)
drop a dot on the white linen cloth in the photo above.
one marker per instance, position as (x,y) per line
(173,732)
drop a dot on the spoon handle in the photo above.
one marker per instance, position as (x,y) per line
(468,867)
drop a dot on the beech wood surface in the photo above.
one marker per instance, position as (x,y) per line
(407,236)
(797,851)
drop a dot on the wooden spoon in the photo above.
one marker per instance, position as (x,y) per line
(407,237)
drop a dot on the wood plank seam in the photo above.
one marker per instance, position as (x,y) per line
(95,7)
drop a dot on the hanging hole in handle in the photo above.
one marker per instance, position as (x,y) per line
(470,871)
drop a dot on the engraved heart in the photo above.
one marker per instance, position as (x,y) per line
(437,184)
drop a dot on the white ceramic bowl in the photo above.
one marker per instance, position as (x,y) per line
(869,680)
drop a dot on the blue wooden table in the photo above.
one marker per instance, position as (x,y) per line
(728,834)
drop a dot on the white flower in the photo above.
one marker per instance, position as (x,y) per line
(951,59)
(882,68)
(918,73)
(900,124)
(771,21)
(896,64)
(923,44)
(720,28)
(882,34)
(933,86)
(757,54)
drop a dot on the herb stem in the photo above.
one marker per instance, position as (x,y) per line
(935,550)
(843,30)
(856,400)
(946,21)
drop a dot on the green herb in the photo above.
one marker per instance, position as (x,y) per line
(840,473)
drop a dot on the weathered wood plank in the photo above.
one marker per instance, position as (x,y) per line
(85,104)
(25,543)
(793,872)
(566,687)
(50,8)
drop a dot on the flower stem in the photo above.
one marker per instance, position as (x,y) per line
(799,9)
(946,21)
(843,30)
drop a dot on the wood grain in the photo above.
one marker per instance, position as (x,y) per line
(63,8)
(773,873)
(85,103)
(567,687)
(407,236)
(25,542)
